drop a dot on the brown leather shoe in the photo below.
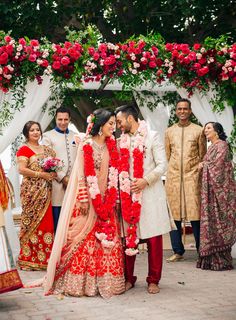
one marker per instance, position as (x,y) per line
(153,288)
(175,258)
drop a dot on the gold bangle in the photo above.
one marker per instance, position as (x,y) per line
(36,174)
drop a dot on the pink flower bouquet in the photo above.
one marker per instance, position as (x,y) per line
(51,164)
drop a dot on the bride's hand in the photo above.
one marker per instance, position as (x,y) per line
(84,208)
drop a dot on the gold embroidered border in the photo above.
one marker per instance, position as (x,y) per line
(31,265)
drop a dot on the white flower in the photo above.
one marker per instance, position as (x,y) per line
(10,68)
(108,244)
(202,50)
(131,252)
(54,47)
(100,236)
(1,71)
(134,71)
(136,65)
(199,56)
(19,47)
(39,61)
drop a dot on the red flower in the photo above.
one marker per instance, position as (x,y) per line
(64,51)
(196,46)
(96,56)
(91,51)
(45,63)
(7,38)
(22,41)
(202,71)
(155,50)
(34,43)
(67,44)
(102,47)
(3,58)
(56,65)
(169,46)
(152,64)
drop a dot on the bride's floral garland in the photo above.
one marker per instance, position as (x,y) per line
(103,206)
(131,204)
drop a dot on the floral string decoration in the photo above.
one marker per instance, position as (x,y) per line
(104,206)
(90,121)
(131,203)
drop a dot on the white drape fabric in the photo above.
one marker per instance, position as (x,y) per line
(158,118)
(35,97)
(202,109)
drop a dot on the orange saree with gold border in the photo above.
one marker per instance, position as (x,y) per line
(36,233)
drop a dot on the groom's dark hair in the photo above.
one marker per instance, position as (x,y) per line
(128,109)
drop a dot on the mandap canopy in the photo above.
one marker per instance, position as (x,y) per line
(34,74)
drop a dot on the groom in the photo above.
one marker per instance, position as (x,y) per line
(154,218)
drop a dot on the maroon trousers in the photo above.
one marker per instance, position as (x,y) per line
(155,259)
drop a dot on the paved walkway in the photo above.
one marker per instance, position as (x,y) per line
(186,293)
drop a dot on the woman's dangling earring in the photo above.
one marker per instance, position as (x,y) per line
(100,131)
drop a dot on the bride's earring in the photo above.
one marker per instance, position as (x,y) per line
(100,131)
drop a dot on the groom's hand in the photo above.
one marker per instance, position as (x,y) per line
(138,185)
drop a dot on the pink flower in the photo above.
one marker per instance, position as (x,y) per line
(32,57)
(65,61)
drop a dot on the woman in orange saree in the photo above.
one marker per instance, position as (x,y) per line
(87,255)
(36,232)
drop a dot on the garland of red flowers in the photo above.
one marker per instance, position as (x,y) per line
(103,206)
(131,204)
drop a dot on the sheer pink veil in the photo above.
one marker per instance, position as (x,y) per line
(63,225)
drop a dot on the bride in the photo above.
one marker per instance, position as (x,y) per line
(87,256)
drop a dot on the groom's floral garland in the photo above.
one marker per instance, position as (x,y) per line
(103,206)
(131,204)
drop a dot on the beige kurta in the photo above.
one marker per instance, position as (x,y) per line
(154,219)
(185,147)
(65,148)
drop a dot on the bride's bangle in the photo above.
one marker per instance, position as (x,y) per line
(36,173)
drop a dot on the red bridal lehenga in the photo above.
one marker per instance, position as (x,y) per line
(79,264)
(36,233)
(9,277)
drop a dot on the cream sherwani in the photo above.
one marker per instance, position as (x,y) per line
(64,146)
(154,219)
